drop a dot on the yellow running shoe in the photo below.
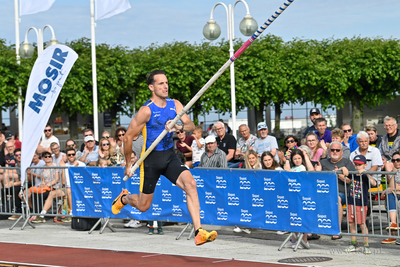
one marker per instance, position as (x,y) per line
(203,236)
(117,203)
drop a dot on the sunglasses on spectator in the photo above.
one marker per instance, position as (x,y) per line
(46,157)
(106,136)
(106,144)
(290,141)
(397,160)
(121,135)
(18,155)
(335,150)
(71,145)
(347,131)
(179,132)
(69,155)
(47,130)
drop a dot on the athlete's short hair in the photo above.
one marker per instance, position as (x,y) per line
(150,76)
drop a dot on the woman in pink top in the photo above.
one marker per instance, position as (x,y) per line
(315,146)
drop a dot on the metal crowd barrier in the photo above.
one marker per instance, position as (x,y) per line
(378,217)
(10,203)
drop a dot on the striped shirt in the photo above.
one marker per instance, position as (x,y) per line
(216,160)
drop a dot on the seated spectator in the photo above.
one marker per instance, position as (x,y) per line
(265,142)
(321,132)
(119,139)
(106,135)
(374,139)
(9,157)
(225,142)
(102,162)
(137,145)
(213,157)
(34,176)
(2,149)
(227,128)
(358,202)
(87,132)
(184,145)
(12,185)
(244,143)
(91,152)
(269,163)
(314,114)
(198,146)
(338,135)
(372,155)
(251,160)
(106,151)
(392,194)
(211,130)
(58,156)
(291,143)
(307,156)
(350,139)
(317,150)
(72,143)
(391,140)
(333,163)
(49,138)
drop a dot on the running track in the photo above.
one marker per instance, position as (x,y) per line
(25,255)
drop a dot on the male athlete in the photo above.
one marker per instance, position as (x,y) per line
(153,117)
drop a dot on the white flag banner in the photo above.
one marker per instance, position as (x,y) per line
(48,75)
(28,7)
(109,8)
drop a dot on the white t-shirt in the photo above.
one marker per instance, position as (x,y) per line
(41,163)
(266,144)
(47,142)
(57,160)
(196,151)
(67,182)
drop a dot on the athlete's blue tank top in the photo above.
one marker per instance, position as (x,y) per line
(156,124)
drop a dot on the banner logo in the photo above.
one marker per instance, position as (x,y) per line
(176,211)
(282,202)
(159,182)
(88,192)
(245,216)
(322,186)
(202,214)
(156,211)
(106,193)
(96,178)
(233,200)
(78,178)
(80,206)
(116,178)
(244,183)
(135,211)
(97,207)
(221,182)
(210,199)
(257,201)
(295,220)
(294,186)
(270,217)
(308,204)
(184,196)
(222,215)
(166,196)
(135,180)
(199,181)
(268,184)
(324,222)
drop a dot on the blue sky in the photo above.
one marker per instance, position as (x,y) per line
(161,22)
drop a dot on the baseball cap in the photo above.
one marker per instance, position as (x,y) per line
(9,136)
(89,138)
(262,125)
(314,110)
(210,139)
(360,159)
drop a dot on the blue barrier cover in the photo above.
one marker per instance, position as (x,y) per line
(276,200)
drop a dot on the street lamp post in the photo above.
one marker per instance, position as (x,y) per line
(212,31)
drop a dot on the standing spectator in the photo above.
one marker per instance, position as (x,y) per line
(333,163)
(350,139)
(184,145)
(9,157)
(87,132)
(49,138)
(265,142)
(372,155)
(317,151)
(391,140)
(321,132)
(314,114)
(119,139)
(57,156)
(198,146)
(91,152)
(358,202)
(374,139)
(291,143)
(2,149)
(226,142)
(244,143)
(213,157)
(338,135)
(392,194)
(268,162)
(71,143)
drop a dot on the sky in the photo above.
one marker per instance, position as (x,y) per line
(160,21)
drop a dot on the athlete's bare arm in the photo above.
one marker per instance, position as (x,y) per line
(136,125)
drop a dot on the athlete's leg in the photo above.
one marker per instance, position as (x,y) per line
(142,201)
(188,184)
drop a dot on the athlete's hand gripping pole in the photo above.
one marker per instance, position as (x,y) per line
(210,82)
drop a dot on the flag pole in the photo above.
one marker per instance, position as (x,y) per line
(19,63)
(94,74)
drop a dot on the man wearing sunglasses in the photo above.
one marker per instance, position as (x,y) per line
(71,143)
(47,140)
(333,163)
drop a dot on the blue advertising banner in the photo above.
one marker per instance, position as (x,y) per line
(274,200)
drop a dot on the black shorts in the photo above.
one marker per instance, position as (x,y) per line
(156,164)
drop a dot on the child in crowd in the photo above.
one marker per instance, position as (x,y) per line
(102,162)
(358,202)
(338,135)
(198,146)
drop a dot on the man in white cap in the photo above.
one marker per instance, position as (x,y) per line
(265,142)
(90,152)
(213,157)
